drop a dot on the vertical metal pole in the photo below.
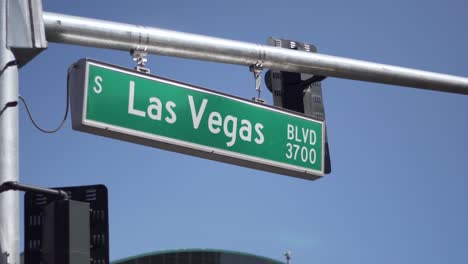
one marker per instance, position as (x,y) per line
(9,201)
(287,254)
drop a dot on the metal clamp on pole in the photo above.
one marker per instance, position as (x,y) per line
(16,186)
(140,55)
(257,69)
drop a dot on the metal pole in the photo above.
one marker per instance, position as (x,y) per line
(16,186)
(9,201)
(287,254)
(112,35)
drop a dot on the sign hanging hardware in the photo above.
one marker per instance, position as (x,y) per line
(140,55)
(257,69)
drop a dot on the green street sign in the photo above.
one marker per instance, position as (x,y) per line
(114,102)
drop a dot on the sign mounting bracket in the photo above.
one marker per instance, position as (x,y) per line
(257,69)
(140,56)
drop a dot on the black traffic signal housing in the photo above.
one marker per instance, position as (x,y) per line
(65,232)
(49,221)
(299,92)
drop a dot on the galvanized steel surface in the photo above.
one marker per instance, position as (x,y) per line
(112,35)
(9,200)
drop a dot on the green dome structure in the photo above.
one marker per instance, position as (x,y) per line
(196,256)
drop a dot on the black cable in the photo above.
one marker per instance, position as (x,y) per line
(64,117)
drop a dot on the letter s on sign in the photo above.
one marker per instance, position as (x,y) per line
(98,80)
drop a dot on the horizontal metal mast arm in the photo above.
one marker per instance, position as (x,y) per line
(16,186)
(112,35)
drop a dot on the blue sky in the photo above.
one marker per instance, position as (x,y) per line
(399,186)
